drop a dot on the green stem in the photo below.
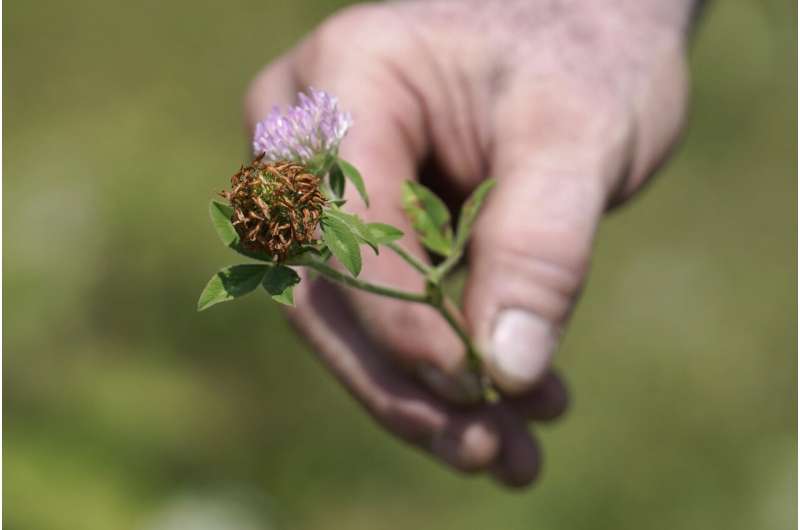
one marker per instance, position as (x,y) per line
(444,267)
(409,258)
(333,274)
(434,297)
(473,355)
(436,300)
(488,392)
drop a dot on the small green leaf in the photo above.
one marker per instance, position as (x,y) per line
(229,283)
(354,176)
(429,216)
(383,233)
(279,282)
(342,243)
(221,219)
(320,164)
(469,212)
(356,225)
(336,179)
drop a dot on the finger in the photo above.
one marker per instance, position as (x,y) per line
(386,143)
(546,402)
(555,162)
(466,440)
(275,85)
(519,461)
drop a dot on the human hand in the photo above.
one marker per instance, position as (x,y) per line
(570,106)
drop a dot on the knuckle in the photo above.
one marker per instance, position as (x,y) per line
(342,36)
(342,25)
(585,99)
(566,111)
(269,83)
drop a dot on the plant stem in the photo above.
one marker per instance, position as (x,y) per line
(333,274)
(434,297)
(445,267)
(488,392)
(437,300)
(409,258)
(447,311)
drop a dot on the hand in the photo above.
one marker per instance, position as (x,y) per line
(571,107)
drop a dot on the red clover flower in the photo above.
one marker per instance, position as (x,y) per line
(314,127)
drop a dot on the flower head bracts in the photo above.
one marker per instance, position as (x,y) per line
(276,207)
(314,127)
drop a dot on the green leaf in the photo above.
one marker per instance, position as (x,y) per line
(383,233)
(221,219)
(320,164)
(229,283)
(356,225)
(354,176)
(429,216)
(342,243)
(279,282)
(469,212)
(336,179)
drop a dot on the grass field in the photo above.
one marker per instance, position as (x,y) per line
(125,409)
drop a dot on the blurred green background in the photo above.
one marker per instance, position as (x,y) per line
(124,409)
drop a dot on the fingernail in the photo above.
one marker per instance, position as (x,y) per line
(521,346)
(463,387)
(467,447)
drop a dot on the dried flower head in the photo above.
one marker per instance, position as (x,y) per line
(314,127)
(276,206)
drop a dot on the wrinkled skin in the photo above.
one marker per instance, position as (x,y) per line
(571,106)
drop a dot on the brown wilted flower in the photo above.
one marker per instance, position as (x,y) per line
(276,206)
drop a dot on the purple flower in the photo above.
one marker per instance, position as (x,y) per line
(315,126)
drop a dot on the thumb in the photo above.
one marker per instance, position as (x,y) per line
(530,253)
